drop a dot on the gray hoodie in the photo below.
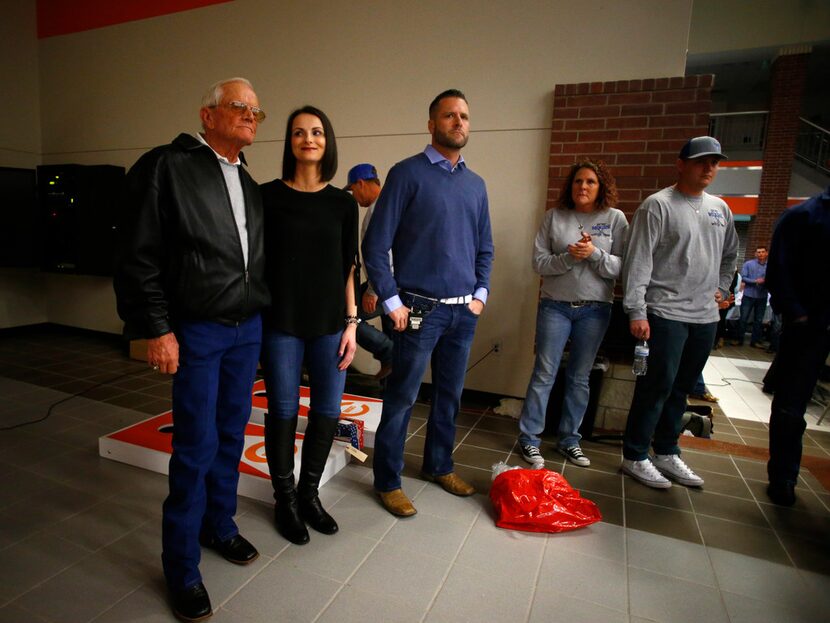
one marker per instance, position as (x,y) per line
(681,249)
(565,278)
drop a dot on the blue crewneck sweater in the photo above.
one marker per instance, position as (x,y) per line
(437,224)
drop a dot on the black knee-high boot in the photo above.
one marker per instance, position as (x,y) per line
(279,450)
(316,445)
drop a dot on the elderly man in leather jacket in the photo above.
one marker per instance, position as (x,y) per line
(190,279)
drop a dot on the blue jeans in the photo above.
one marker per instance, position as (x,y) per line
(282,360)
(211,406)
(379,343)
(750,306)
(556,322)
(376,342)
(700,386)
(678,353)
(801,355)
(444,338)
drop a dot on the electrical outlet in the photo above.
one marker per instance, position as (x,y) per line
(496,347)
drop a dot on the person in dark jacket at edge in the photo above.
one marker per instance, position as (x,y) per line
(190,279)
(800,290)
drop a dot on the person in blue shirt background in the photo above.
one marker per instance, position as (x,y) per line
(754,299)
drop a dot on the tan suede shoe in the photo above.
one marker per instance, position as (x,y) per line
(397,503)
(451,483)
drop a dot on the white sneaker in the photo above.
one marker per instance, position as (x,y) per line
(645,472)
(672,465)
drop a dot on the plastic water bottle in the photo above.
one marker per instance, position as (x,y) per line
(640,365)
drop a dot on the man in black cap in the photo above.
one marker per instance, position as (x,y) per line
(364,184)
(681,250)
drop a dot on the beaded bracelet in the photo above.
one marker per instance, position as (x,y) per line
(352,320)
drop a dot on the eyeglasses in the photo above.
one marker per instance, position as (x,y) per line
(241,107)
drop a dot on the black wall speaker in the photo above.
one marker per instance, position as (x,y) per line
(80,208)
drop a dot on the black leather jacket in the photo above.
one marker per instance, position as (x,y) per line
(181,257)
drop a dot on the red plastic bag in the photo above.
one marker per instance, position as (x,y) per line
(539,500)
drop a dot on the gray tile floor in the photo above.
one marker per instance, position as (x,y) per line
(80,535)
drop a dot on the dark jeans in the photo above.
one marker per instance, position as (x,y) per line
(379,343)
(211,407)
(751,306)
(803,350)
(775,333)
(721,332)
(700,386)
(678,353)
(444,339)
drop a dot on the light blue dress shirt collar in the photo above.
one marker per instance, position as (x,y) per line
(436,157)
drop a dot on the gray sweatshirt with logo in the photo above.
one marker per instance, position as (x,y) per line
(565,278)
(681,249)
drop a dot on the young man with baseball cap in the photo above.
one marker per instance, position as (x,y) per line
(678,266)
(364,184)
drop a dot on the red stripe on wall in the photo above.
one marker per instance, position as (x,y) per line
(749,205)
(61,17)
(742,205)
(740,163)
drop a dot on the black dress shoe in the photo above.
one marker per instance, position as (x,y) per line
(782,492)
(236,549)
(192,604)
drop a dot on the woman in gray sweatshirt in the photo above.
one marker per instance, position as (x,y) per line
(578,252)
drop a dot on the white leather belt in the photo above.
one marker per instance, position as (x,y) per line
(453,300)
(457,300)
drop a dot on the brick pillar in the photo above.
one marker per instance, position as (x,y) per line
(787,84)
(636,126)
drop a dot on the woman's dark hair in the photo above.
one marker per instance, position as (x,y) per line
(607,195)
(328,165)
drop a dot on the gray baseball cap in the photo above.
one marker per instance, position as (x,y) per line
(701,146)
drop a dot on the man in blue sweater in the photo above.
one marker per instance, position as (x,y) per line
(433,214)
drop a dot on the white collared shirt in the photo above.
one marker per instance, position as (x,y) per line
(237,197)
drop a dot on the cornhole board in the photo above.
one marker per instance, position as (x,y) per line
(352,407)
(147,444)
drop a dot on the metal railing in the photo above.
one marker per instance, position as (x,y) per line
(742,131)
(813,145)
(747,131)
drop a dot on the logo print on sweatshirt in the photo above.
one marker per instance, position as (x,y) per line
(717,218)
(601,229)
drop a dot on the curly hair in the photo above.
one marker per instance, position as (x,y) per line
(607,195)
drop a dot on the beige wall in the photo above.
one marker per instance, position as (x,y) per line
(20,118)
(723,25)
(109,94)
(22,300)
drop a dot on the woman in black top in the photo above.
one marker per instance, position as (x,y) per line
(311,254)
